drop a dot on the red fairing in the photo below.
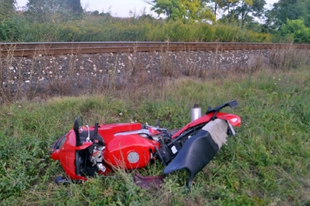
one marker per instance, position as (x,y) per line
(107,131)
(130,151)
(66,155)
(233,119)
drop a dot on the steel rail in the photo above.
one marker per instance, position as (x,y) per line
(61,48)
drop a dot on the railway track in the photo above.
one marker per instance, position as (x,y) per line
(61,48)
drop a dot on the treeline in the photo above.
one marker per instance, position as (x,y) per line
(65,21)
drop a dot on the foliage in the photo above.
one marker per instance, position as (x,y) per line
(267,163)
(9,31)
(241,11)
(60,21)
(245,12)
(53,10)
(226,33)
(6,9)
(74,7)
(296,31)
(64,21)
(288,9)
(182,9)
(144,28)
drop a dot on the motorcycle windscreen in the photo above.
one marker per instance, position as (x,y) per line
(200,149)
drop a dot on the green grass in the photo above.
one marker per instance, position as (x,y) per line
(266,163)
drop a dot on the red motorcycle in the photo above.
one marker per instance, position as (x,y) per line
(87,150)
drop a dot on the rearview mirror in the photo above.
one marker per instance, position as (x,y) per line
(233,104)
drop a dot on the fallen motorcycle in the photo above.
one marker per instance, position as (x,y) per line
(87,150)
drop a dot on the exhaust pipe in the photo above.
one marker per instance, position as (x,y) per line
(195,112)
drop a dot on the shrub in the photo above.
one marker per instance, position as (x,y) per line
(9,31)
(295,30)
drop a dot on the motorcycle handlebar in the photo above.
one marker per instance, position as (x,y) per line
(231,104)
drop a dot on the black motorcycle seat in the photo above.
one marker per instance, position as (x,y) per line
(200,149)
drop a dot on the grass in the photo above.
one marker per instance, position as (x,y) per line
(267,163)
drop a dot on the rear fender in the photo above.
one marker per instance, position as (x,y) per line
(233,119)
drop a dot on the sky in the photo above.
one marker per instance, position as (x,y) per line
(119,8)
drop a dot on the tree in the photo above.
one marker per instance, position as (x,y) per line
(74,7)
(247,11)
(217,5)
(49,10)
(6,9)
(41,10)
(241,11)
(182,9)
(288,9)
(296,30)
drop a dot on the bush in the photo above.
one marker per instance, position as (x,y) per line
(295,30)
(9,31)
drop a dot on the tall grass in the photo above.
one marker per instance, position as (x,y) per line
(267,163)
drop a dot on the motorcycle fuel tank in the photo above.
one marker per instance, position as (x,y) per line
(130,151)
